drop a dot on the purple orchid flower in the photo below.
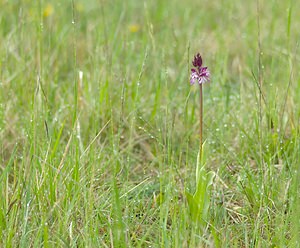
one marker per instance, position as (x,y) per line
(199,74)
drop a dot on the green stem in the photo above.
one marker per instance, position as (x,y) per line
(201,120)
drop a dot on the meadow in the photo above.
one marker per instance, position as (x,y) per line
(99,125)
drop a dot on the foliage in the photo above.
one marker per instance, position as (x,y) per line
(99,124)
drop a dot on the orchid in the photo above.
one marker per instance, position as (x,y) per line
(199,202)
(199,74)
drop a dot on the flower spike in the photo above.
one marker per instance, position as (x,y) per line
(199,74)
(197,62)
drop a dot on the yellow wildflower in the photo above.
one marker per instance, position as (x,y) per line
(133,28)
(48,10)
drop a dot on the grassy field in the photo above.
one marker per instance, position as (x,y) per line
(99,125)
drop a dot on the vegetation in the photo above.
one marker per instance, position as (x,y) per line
(99,125)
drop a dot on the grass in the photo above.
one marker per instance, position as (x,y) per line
(105,160)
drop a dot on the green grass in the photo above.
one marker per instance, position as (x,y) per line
(106,161)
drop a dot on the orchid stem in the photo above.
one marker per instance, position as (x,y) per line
(201,120)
